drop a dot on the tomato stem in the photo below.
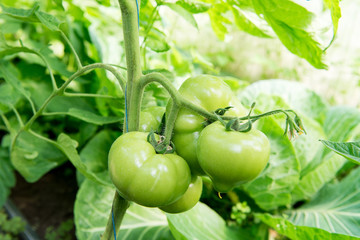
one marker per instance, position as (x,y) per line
(119,207)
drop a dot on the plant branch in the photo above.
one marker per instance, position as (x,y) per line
(79,65)
(66,94)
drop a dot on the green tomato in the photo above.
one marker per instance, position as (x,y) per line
(231,158)
(150,118)
(189,199)
(210,93)
(143,176)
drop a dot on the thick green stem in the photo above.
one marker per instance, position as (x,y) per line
(133,97)
(132,52)
(119,207)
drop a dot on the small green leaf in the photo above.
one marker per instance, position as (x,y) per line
(95,154)
(11,79)
(68,147)
(48,20)
(335,10)
(33,15)
(194,6)
(157,44)
(349,150)
(182,12)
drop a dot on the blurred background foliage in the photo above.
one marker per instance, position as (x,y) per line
(186,44)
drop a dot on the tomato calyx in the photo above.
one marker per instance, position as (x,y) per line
(293,126)
(159,145)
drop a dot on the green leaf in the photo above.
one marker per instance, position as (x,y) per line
(11,79)
(201,222)
(68,147)
(32,157)
(218,21)
(335,208)
(33,15)
(21,14)
(76,107)
(318,177)
(7,176)
(349,150)
(157,41)
(182,12)
(92,209)
(340,123)
(335,10)
(295,232)
(194,6)
(289,22)
(281,94)
(95,154)
(246,25)
(8,97)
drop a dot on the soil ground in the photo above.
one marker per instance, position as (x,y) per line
(48,203)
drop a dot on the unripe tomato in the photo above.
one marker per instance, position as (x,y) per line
(189,199)
(143,176)
(210,93)
(231,158)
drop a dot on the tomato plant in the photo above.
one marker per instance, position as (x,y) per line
(60,101)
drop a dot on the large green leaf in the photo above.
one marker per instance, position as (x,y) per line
(32,156)
(339,125)
(349,150)
(275,94)
(201,222)
(92,209)
(295,232)
(335,208)
(289,21)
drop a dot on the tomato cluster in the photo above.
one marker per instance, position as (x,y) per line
(173,182)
